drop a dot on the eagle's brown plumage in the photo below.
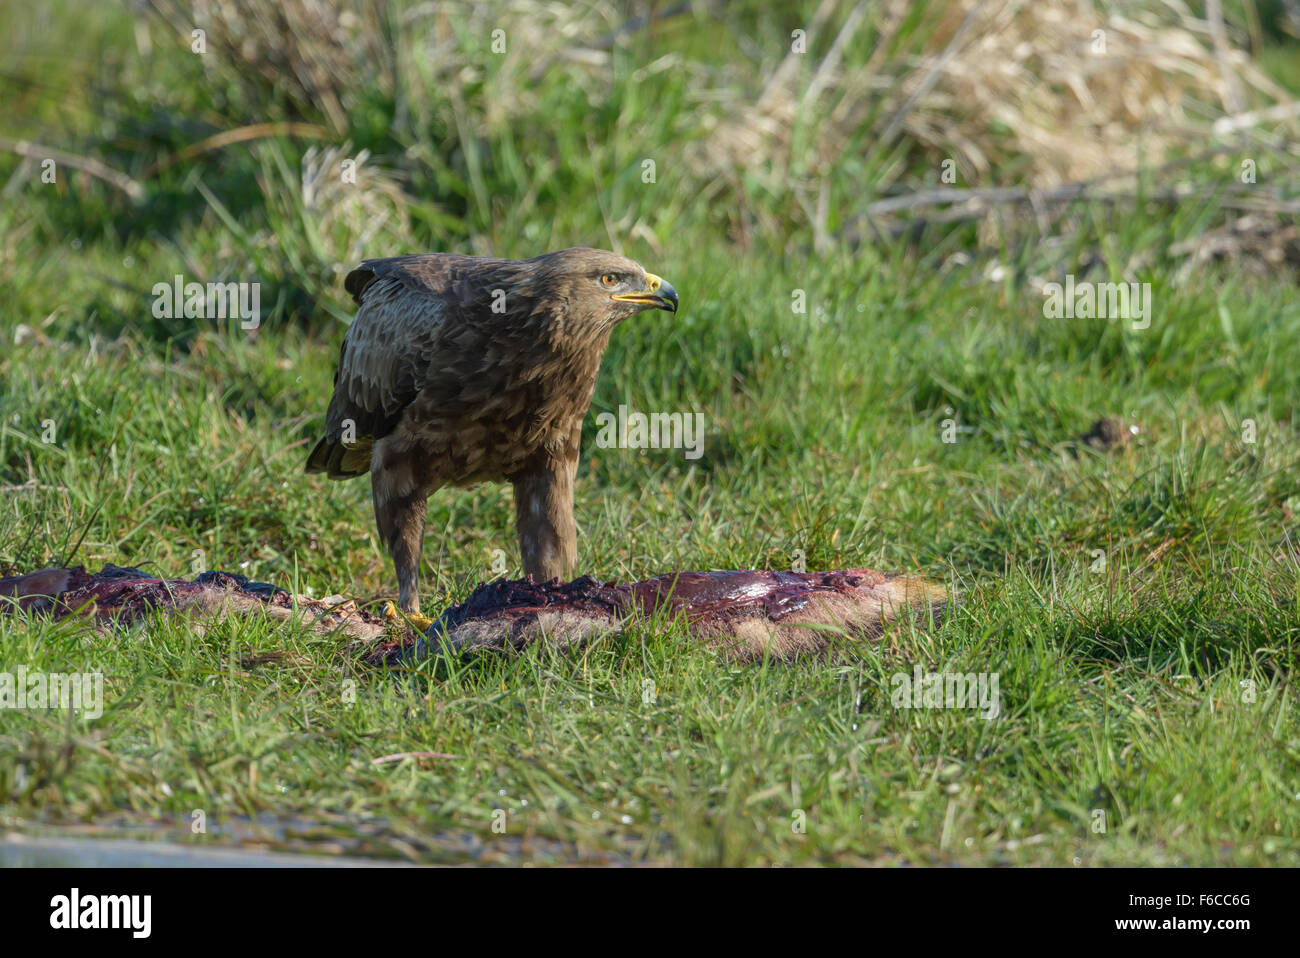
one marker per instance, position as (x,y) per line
(461,369)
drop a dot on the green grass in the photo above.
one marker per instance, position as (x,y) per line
(1154,687)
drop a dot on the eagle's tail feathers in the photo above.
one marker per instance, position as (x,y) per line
(339,461)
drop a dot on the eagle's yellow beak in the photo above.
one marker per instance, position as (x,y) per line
(659,293)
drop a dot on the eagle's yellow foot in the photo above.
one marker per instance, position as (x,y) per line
(417,621)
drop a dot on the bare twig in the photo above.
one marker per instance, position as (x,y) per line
(241,134)
(87,164)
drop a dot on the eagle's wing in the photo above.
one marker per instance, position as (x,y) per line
(412,309)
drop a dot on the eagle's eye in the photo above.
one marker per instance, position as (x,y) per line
(609,279)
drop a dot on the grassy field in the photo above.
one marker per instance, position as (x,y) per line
(1140,604)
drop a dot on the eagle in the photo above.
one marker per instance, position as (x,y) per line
(465,369)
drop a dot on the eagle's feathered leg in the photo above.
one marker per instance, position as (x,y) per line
(400,501)
(548,538)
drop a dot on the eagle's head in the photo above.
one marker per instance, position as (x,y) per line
(601,287)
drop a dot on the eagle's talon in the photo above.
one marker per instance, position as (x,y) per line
(415,620)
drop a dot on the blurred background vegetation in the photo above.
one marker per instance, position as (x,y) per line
(919,171)
(228,161)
